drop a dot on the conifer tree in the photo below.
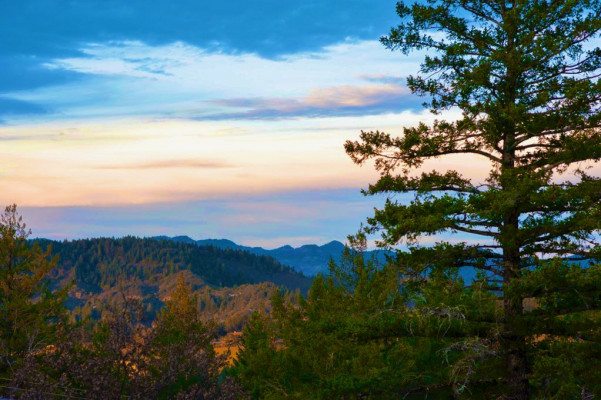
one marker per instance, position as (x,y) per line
(181,358)
(29,312)
(524,74)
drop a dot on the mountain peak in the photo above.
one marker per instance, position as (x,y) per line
(219,243)
(183,239)
(334,244)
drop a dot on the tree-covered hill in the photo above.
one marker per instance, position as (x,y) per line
(228,284)
(101,263)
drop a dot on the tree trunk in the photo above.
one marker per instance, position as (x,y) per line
(515,347)
(513,339)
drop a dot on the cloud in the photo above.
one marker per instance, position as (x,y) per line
(149,161)
(36,32)
(163,164)
(267,27)
(384,78)
(352,96)
(179,80)
(330,101)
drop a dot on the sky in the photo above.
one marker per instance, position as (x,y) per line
(200,118)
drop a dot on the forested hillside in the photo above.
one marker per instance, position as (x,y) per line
(228,284)
(101,263)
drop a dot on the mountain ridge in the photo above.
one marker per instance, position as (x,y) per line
(310,259)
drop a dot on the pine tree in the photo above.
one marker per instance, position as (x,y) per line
(182,361)
(29,312)
(524,75)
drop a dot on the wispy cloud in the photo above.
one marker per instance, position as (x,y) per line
(149,122)
(148,161)
(35,32)
(167,164)
(329,101)
(384,78)
(178,80)
(353,96)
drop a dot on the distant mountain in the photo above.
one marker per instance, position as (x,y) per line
(309,259)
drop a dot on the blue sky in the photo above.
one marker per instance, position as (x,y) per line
(208,119)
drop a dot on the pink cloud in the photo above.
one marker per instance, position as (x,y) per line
(328,101)
(353,96)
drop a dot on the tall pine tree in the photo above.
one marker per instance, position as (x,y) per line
(524,74)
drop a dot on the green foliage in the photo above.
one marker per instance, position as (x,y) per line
(29,312)
(525,78)
(524,75)
(342,341)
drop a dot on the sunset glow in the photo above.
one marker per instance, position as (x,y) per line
(148,116)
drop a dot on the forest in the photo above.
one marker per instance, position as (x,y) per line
(138,318)
(103,273)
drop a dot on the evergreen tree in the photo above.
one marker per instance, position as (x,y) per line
(29,312)
(336,343)
(181,360)
(524,74)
